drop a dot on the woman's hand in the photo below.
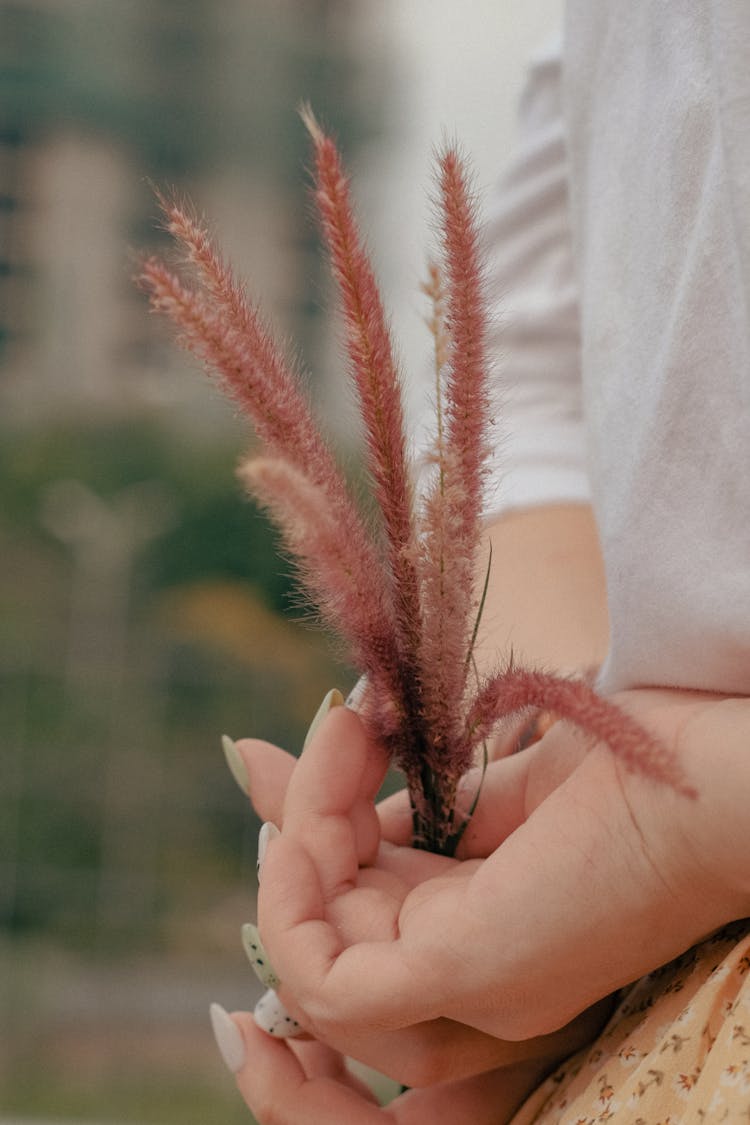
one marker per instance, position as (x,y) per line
(295,1083)
(596,878)
(429,1051)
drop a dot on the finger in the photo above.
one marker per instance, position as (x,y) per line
(331,984)
(394,982)
(370,911)
(482,1100)
(274,1083)
(395,815)
(329,802)
(339,765)
(479,949)
(438,964)
(443,1050)
(411,866)
(292,1082)
(319,1059)
(510,789)
(290,1085)
(269,770)
(575,902)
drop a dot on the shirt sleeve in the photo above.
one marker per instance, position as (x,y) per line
(540,454)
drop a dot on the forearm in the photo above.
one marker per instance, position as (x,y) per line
(546,597)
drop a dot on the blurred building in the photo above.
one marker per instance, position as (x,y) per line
(99,97)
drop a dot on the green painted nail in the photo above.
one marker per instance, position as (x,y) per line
(268,832)
(258,957)
(334,698)
(236,765)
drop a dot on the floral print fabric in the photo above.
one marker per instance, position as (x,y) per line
(675,1052)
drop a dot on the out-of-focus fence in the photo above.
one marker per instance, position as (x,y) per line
(126,851)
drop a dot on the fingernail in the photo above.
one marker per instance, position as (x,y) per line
(334,698)
(268,832)
(258,957)
(357,694)
(272,1017)
(228,1038)
(235,763)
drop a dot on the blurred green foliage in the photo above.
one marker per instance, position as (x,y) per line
(217,531)
(123,836)
(192,670)
(126,852)
(134,1094)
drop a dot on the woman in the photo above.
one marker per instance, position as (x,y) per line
(621,243)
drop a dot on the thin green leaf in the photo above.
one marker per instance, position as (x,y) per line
(480,611)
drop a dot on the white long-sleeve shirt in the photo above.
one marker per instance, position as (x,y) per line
(620,268)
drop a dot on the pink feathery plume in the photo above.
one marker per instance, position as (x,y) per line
(443,578)
(452,506)
(468,415)
(330,564)
(376,378)
(223,329)
(434,288)
(407,608)
(229,335)
(251,367)
(518,689)
(213,273)
(446,584)
(232,340)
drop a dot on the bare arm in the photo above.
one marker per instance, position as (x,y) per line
(546,596)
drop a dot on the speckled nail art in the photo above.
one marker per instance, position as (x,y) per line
(272,1017)
(258,957)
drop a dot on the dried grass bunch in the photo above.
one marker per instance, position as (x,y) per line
(402,597)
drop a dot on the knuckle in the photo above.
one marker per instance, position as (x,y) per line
(315,1015)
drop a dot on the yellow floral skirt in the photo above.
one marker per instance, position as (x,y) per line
(675,1052)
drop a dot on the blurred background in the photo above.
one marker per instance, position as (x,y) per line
(143,609)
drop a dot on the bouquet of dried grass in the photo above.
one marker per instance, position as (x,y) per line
(402,597)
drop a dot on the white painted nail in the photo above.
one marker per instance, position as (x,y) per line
(257,956)
(333,698)
(272,1017)
(268,832)
(357,694)
(228,1038)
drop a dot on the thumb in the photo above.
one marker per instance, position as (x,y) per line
(510,789)
(504,794)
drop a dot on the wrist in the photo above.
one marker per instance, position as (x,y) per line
(703,844)
(716,747)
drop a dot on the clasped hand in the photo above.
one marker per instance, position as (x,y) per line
(477,974)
